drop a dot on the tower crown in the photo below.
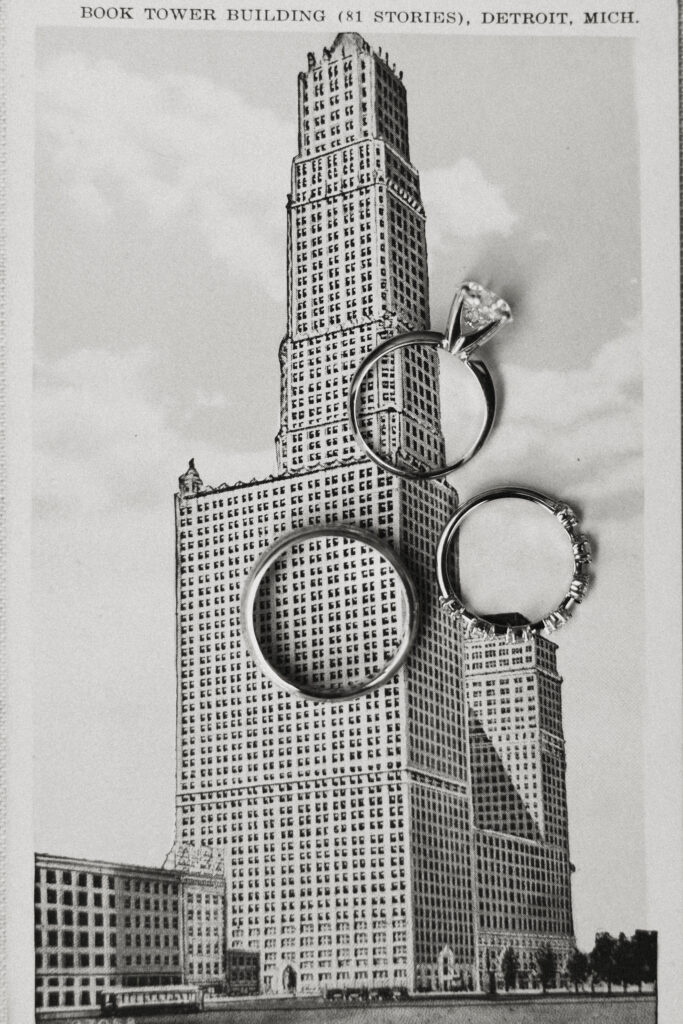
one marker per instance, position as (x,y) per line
(190,483)
(347,42)
(350,94)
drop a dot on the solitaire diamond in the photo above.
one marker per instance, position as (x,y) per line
(481,308)
(475,316)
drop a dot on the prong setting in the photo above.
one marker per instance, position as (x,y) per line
(475,316)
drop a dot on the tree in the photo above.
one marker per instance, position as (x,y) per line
(510,967)
(644,957)
(624,961)
(577,968)
(491,971)
(602,958)
(547,965)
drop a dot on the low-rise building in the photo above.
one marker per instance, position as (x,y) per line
(100,924)
(242,972)
(203,908)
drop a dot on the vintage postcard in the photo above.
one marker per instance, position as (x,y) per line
(343,507)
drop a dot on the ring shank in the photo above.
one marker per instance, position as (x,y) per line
(436,341)
(268,559)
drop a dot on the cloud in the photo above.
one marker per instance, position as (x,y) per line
(589,420)
(181,151)
(461,203)
(573,433)
(104,442)
(106,461)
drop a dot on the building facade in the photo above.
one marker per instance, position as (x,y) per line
(100,925)
(346,828)
(203,921)
(518,768)
(242,972)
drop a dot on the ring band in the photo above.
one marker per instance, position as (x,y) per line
(270,556)
(478,626)
(475,316)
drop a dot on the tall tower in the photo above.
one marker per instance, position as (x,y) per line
(519,798)
(357,268)
(346,827)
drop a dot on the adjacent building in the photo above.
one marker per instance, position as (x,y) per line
(203,920)
(518,768)
(242,972)
(100,925)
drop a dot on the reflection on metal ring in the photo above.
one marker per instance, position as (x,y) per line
(268,559)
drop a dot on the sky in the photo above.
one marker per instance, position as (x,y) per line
(162,169)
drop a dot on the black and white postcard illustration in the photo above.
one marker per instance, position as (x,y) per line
(343,602)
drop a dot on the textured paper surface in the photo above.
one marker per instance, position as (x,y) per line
(147,176)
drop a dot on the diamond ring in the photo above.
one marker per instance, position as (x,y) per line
(475,316)
(478,626)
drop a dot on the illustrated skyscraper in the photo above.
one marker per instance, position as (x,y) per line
(346,827)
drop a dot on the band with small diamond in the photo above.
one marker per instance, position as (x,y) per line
(478,626)
(475,316)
